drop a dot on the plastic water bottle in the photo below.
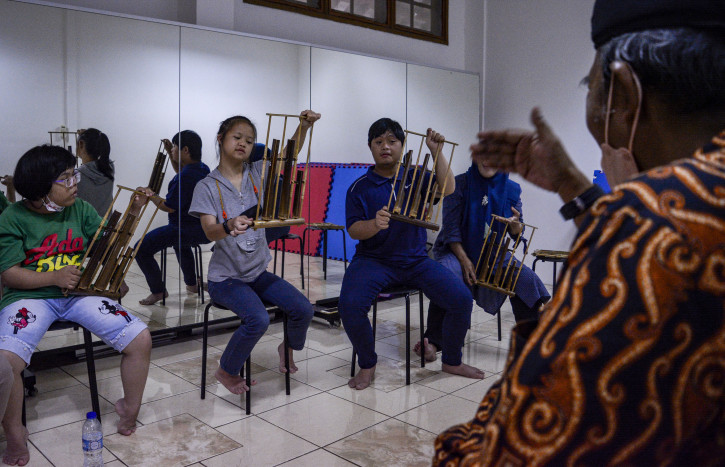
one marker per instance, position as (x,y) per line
(92,441)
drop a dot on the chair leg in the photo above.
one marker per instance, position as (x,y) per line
(554,279)
(302,258)
(407,339)
(199,272)
(284,248)
(91,364)
(163,274)
(274,270)
(204,338)
(344,248)
(285,342)
(422,330)
(499,325)
(324,254)
(248,395)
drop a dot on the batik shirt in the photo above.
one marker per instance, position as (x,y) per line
(44,243)
(627,365)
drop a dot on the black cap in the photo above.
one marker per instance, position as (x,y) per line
(612,18)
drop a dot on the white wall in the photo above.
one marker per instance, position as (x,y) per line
(537,52)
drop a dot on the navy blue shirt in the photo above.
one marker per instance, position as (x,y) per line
(181,190)
(401,244)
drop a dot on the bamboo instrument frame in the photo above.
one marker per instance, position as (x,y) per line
(107,267)
(494,272)
(274,211)
(415,205)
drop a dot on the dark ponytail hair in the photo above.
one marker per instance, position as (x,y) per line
(99,148)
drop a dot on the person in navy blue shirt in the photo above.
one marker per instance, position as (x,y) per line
(393,253)
(185,156)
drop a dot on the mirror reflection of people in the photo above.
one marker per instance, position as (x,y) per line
(183,230)
(238,278)
(393,253)
(627,363)
(42,239)
(97,170)
(480,193)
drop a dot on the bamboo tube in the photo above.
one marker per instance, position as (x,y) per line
(399,198)
(419,188)
(412,186)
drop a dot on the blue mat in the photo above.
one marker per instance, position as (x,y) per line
(342,178)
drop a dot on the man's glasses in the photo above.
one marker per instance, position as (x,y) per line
(72,180)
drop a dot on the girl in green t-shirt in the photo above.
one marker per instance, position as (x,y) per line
(42,239)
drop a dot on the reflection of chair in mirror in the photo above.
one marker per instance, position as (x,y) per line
(198,270)
(405,292)
(324,227)
(248,363)
(109,254)
(412,203)
(283,186)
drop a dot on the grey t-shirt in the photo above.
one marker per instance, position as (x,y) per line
(245,256)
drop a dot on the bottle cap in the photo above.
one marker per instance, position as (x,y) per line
(91,415)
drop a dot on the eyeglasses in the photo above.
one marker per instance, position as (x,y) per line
(72,180)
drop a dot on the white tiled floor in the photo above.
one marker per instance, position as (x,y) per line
(322,422)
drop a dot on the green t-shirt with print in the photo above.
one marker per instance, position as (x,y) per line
(44,243)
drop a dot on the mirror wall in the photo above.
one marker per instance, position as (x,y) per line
(139,81)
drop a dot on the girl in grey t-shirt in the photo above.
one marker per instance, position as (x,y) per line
(238,277)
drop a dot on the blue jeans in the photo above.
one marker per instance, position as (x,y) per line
(164,237)
(245,300)
(366,277)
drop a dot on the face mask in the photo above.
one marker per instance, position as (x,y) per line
(51,205)
(619,164)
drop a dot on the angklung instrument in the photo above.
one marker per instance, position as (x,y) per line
(282,184)
(110,255)
(493,270)
(413,203)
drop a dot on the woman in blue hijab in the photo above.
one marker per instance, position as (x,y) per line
(481,192)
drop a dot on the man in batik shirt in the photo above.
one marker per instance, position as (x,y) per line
(627,364)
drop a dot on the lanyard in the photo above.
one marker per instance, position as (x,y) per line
(221,200)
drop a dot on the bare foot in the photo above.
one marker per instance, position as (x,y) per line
(430,350)
(292,367)
(153,298)
(234,383)
(16,452)
(463,370)
(192,288)
(127,423)
(362,379)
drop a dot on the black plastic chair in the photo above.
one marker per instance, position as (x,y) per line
(405,291)
(248,363)
(198,270)
(283,238)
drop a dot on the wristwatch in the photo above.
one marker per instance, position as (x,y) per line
(581,203)
(226,227)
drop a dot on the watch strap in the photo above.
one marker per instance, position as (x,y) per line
(581,203)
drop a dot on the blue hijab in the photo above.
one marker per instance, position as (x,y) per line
(486,196)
